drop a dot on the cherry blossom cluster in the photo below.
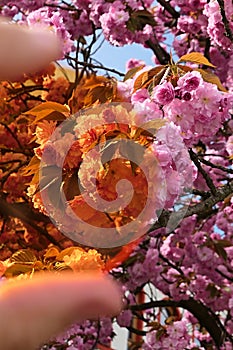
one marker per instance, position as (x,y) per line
(196,106)
(175,335)
(79,18)
(198,22)
(215,28)
(164,161)
(83,335)
(171,139)
(139,22)
(193,262)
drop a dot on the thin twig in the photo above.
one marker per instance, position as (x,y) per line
(12,134)
(207,178)
(90,65)
(212,165)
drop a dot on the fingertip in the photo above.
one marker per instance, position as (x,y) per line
(45,305)
(26,49)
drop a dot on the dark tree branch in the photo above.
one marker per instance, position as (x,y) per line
(68,7)
(23,212)
(206,318)
(212,165)
(200,193)
(207,48)
(226,23)
(198,209)
(17,92)
(159,52)
(169,8)
(224,275)
(136,331)
(207,178)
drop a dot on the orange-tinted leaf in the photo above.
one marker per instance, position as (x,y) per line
(32,167)
(186,69)
(152,126)
(212,78)
(53,106)
(36,179)
(144,79)
(101,93)
(17,269)
(131,72)
(71,186)
(33,139)
(155,325)
(51,253)
(24,255)
(96,94)
(93,90)
(196,57)
(103,347)
(170,320)
(95,80)
(56,116)
(64,252)
(49,111)
(141,79)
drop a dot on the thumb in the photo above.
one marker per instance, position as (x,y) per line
(34,310)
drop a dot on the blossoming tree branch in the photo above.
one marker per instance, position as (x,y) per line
(128,173)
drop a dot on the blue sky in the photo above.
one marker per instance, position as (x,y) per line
(116,57)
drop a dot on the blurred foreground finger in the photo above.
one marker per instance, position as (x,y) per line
(34,310)
(25,50)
